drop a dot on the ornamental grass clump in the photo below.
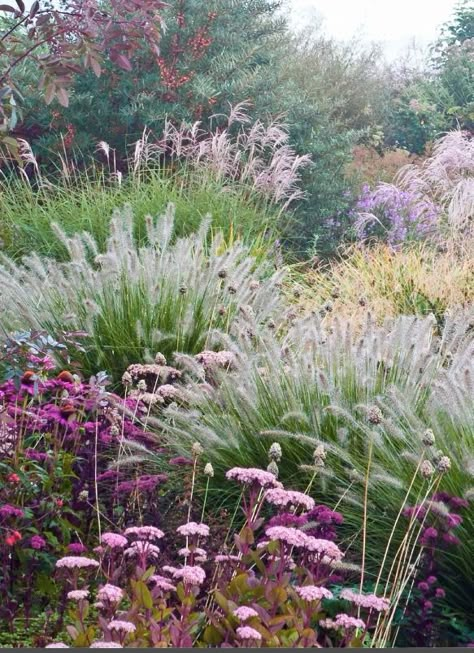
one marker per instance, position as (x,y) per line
(131,300)
(397,392)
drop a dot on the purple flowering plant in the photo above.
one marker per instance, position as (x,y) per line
(273,583)
(58,435)
(394,215)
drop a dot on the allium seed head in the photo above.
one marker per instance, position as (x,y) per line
(209,470)
(426,469)
(275,452)
(197,449)
(374,415)
(444,464)
(428,438)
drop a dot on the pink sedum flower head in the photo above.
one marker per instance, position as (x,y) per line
(368,601)
(325,548)
(77,595)
(162,583)
(246,632)
(282,498)
(226,557)
(122,626)
(191,575)
(186,552)
(313,593)
(244,612)
(145,532)
(110,593)
(76,562)
(291,536)
(342,621)
(57,645)
(142,548)
(192,528)
(250,475)
(114,540)
(105,645)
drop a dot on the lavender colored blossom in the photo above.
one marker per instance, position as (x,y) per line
(396,214)
(368,601)
(57,645)
(122,626)
(192,528)
(110,593)
(313,593)
(243,613)
(142,549)
(191,575)
(249,475)
(114,540)
(246,632)
(162,583)
(105,645)
(77,595)
(145,532)
(343,621)
(283,498)
(76,562)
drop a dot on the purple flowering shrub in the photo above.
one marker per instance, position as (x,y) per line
(393,215)
(276,582)
(58,437)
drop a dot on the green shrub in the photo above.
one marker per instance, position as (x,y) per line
(134,300)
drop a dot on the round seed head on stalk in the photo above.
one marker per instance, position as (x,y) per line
(426,469)
(319,456)
(374,415)
(275,452)
(141,385)
(183,290)
(197,449)
(127,379)
(160,359)
(444,464)
(209,470)
(428,438)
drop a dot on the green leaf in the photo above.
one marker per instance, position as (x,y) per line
(221,601)
(212,636)
(143,594)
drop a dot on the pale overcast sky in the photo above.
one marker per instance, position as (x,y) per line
(396,23)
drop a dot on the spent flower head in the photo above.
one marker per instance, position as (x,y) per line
(275,453)
(426,469)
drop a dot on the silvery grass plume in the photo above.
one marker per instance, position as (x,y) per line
(257,154)
(447,178)
(315,379)
(167,295)
(385,387)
